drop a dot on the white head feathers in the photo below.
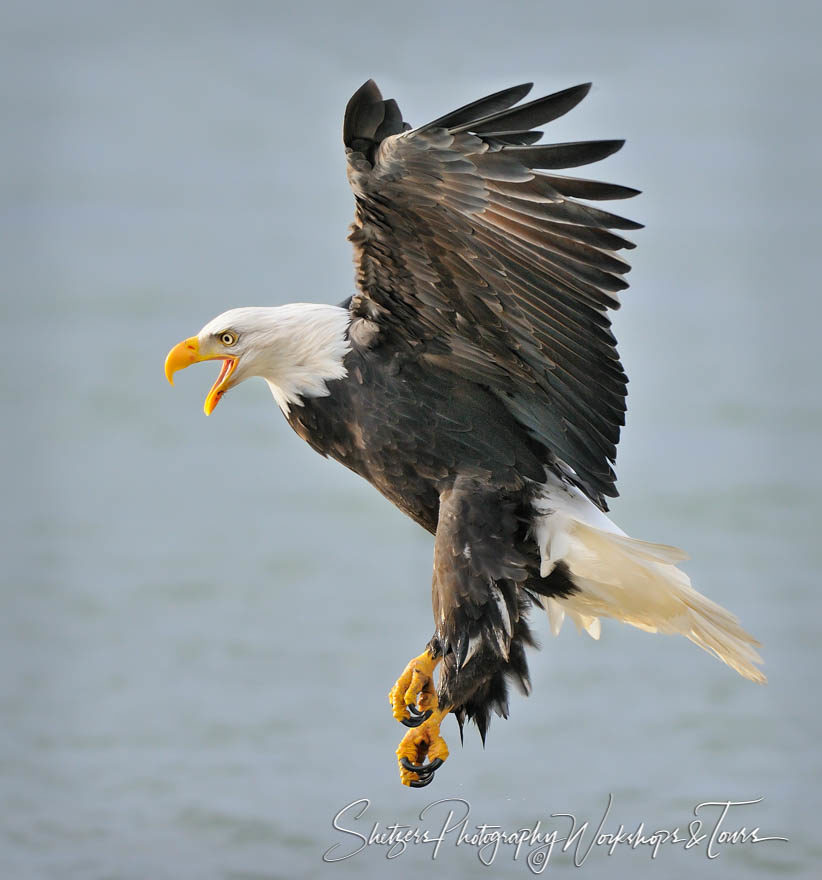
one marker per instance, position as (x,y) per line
(296,348)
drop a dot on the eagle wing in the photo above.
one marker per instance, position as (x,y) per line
(474,254)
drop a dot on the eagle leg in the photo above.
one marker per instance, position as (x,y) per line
(418,744)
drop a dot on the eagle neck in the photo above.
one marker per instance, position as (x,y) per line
(308,351)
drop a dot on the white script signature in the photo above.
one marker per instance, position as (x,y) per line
(446,822)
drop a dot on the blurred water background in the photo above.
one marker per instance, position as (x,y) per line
(201,618)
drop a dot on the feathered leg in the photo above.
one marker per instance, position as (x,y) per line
(481,632)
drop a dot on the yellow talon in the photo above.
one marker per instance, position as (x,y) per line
(415,687)
(420,743)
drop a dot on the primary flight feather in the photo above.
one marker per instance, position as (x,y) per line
(474,380)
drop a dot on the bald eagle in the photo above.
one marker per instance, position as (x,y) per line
(473,379)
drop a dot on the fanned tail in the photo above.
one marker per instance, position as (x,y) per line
(632,581)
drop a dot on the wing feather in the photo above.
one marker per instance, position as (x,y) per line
(481,108)
(539,112)
(568,155)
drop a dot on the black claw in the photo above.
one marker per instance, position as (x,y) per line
(416,718)
(422,781)
(424,771)
(413,709)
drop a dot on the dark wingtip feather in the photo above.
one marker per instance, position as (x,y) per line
(595,190)
(392,122)
(534,113)
(369,120)
(512,138)
(569,155)
(481,108)
(363,114)
(368,93)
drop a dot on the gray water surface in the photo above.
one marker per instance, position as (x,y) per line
(201,618)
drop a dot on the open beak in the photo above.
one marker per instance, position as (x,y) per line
(186,353)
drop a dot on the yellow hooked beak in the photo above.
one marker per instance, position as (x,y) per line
(186,353)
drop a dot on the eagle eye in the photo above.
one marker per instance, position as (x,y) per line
(228,338)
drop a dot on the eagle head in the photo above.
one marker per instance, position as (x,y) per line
(296,348)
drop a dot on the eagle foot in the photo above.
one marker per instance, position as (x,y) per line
(413,698)
(418,744)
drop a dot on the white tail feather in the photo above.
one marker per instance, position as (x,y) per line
(632,581)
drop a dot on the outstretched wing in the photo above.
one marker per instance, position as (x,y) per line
(471,251)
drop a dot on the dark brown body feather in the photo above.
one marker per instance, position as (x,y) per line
(451,457)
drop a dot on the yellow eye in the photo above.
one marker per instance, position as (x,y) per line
(228,338)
